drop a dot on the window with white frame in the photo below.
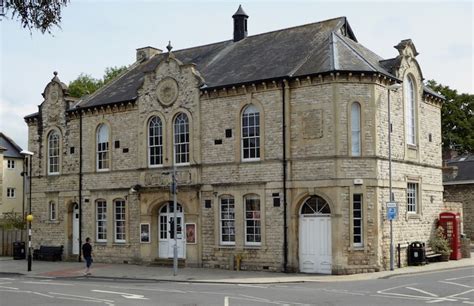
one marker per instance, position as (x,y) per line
(119,220)
(355,129)
(409,93)
(253,235)
(155,142)
(101,219)
(52,211)
(103,147)
(251,133)
(53,153)
(10,164)
(11,192)
(357,220)
(412,197)
(181,139)
(227,216)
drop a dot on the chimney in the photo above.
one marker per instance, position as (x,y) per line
(146,53)
(240,24)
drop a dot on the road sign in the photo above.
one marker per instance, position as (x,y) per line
(392,210)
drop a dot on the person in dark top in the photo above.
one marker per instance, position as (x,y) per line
(87,254)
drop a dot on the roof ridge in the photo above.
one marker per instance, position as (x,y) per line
(259,34)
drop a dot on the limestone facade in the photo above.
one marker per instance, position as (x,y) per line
(310,117)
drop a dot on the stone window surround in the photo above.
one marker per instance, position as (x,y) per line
(255,219)
(239,202)
(246,101)
(361,128)
(46,150)
(256,148)
(10,164)
(123,218)
(11,193)
(188,153)
(53,213)
(418,196)
(103,225)
(226,197)
(363,192)
(162,136)
(109,149)
(49,148)
(410,77)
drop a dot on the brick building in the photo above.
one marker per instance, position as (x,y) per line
(280,146)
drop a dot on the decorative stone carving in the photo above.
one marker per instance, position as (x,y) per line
(53,95)
(167,91)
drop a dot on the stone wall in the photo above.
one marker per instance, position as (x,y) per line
(464,194)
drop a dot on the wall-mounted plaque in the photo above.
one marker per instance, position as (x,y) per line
(167,91)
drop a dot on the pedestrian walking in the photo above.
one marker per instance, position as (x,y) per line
(87,254)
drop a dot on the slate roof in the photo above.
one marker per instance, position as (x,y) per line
(12,149)
(465,171)
(299,51)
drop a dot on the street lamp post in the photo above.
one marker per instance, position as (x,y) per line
(393,87)
(29,218)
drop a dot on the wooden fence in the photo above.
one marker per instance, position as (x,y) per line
(7,237)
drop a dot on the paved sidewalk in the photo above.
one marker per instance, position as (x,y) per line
(137,272)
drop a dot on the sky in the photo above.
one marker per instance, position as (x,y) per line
(97,34)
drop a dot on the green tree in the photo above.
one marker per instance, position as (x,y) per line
(39,14)
(457,118)
(85,84)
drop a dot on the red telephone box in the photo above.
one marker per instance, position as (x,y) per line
(451,222)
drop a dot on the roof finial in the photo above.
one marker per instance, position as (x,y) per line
(55,73)
(169,46)
(55,78)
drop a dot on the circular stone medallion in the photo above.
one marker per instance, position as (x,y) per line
(53,95)
(167,91)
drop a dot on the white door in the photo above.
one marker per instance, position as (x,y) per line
(315,254)
(166,234)
(75,230)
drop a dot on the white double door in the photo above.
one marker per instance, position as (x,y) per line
(315,244)
(166,232)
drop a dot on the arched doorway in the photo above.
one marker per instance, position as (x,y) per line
(165,231)
(75,229)
(315,254)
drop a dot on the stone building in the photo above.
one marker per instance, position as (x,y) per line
(11,181)
(280,144)
(458,180)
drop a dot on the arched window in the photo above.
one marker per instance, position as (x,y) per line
(103,157)
(315,206)
(355,129)
(181,139)
(227,220)
(409,92)
(155,142)
(251,133)
(53,153)
(253,226)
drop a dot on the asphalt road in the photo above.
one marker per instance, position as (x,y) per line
(449,287)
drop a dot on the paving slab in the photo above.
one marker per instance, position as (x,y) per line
(65,269)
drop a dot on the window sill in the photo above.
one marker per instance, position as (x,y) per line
(225,246)
(121,244)
(251,160)
(412,147)
(54,174)
(252,247)
(413,216)
(52,222)
(102,170)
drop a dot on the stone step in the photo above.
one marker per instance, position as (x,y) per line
(168,262)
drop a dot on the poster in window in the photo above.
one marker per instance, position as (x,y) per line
(191,233)
(145,232)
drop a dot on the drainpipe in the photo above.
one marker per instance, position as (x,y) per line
(80,186)
(285,225)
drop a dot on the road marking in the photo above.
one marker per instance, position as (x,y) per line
(382,291)
(5,283)
(42,294)
(124,294)
(149,289)
(471,303)
(422,291)
(453,283)
(252,286)
(44,283)
(6,278)
(8,287)
(81,297)
(226,301)
(456,278)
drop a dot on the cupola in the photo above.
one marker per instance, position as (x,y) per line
(240,24)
